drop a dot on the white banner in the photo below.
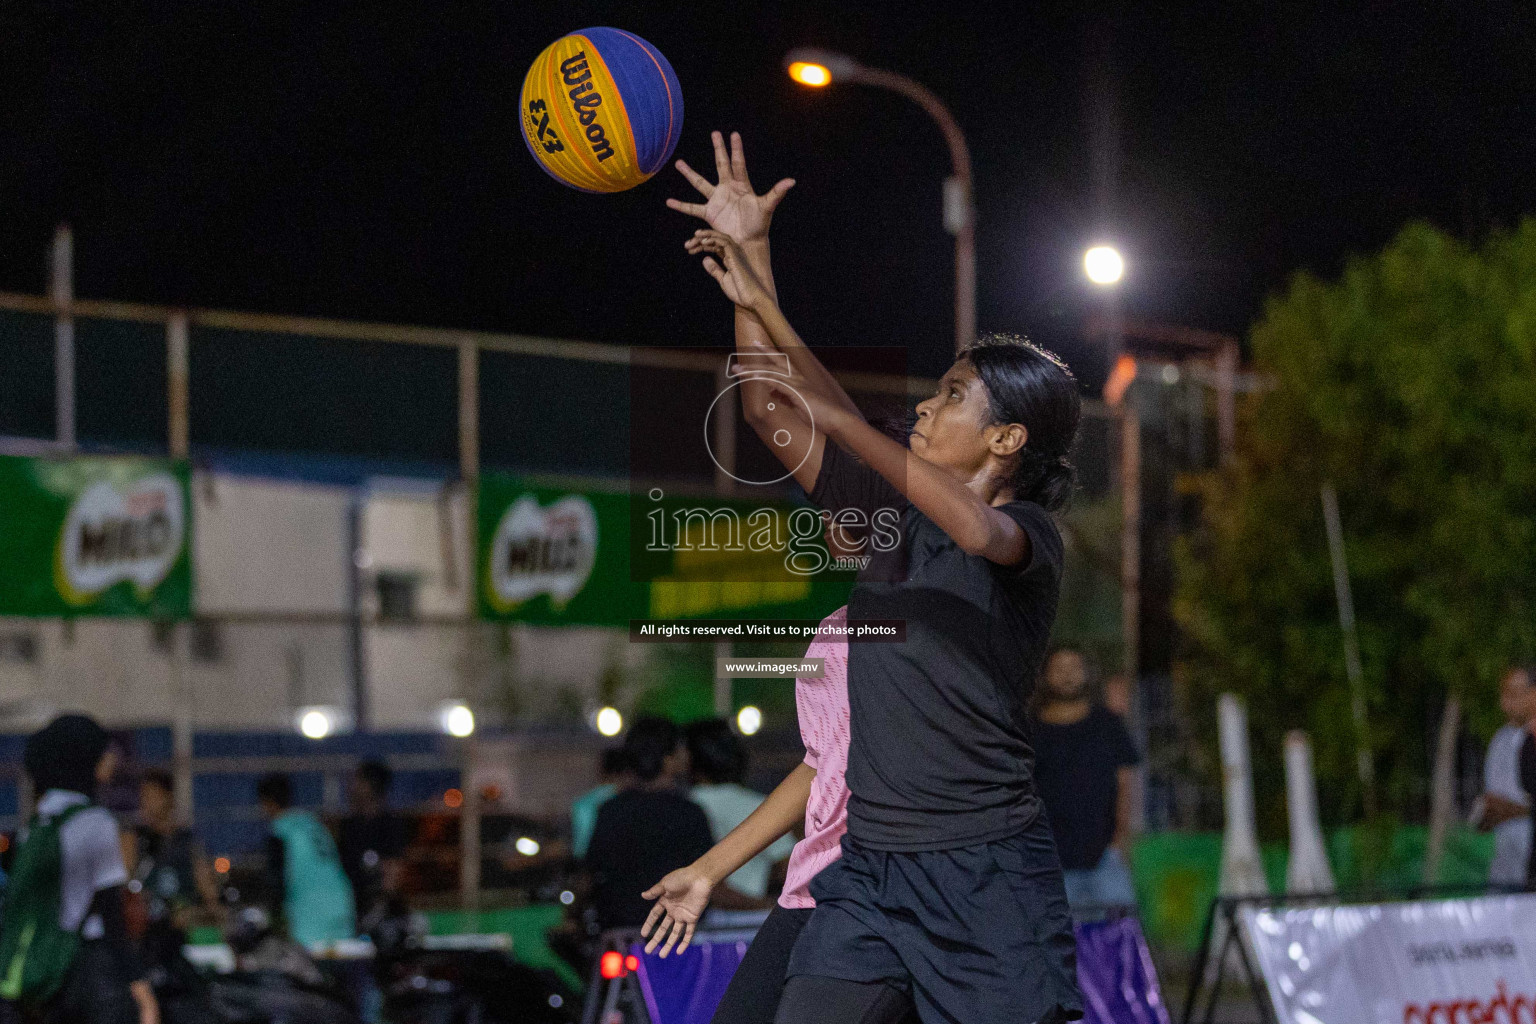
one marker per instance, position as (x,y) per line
(1467,961)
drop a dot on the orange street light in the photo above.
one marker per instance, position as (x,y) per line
(809,73)
(818,68)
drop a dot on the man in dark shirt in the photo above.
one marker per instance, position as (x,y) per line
(372,842)
(648,829)
(1085,772)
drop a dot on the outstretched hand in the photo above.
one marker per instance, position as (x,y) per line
(730,205)
(681,899)
(737,278)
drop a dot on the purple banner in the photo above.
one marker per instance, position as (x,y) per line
(1114,970)
(1115,973)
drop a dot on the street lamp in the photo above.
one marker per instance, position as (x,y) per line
(1104,265)
(818,68)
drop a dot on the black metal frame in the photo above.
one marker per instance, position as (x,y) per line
(1227,907)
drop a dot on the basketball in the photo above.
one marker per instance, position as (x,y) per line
(601,110)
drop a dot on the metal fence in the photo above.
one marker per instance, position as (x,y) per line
(202,385)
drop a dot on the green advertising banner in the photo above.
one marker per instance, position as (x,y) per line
(558,556)
(95,536)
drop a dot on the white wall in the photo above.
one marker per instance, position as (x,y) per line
(266,550)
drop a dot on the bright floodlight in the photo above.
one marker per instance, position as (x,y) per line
(749,719)
(812,66)
(609,722)
(315,724)
(457,720)
(807,73)
(527,847)
(1103,264)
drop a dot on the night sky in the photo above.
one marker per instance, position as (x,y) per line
(363,160)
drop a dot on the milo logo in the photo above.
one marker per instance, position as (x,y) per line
(543,551)
(126,532)
(585,101)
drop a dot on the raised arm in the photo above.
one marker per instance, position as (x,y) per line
(733,208)
(683,896)
(975,526)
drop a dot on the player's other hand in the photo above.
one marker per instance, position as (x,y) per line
(681,899)
(730,205)
(736,277)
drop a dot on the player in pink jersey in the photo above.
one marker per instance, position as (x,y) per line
(815,793)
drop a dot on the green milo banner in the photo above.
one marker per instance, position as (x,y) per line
(95,536)
(559,556)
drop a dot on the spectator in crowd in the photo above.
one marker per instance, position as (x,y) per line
(646,830)
(612,776)
(1117,694)
(175,877)
(69,878)
(1085,773)
(1505,806)
(371,842)
(719,764)
(304,872)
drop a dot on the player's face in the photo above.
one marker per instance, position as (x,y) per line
(1517,697)
(154,802)
(950,425)
(1066,676)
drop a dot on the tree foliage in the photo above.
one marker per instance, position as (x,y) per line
(1410,384)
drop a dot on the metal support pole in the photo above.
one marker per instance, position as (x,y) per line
(62,289)
(1130,538)
(178,399)
(1226,400)
(960,221)
(469,471)
(182,726)
(959,209)
(178,433)
(357,640)
(1363,763)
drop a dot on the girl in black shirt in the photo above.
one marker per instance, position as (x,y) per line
(949,893)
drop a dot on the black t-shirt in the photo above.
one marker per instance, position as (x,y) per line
(1076,770)
(639,837)
(939,755)
(166,869)
(363,842)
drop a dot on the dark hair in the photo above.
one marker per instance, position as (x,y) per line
(276,788)
(64,754)
(613,762)
(649,742)
(897,427)
(160,779)
(376,776)
(1032,387)
(718,755)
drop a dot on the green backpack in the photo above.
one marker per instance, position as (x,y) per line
(35,951)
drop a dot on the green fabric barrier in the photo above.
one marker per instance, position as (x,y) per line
(1176,873)
(526,925)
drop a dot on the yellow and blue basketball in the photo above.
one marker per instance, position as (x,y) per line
(601,110)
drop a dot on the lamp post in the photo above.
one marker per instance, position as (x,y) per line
(817,68)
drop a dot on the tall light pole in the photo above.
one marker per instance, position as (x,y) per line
(817,68)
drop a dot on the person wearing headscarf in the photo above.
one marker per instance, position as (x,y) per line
(106,982)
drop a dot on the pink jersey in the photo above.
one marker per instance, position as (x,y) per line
(823,708)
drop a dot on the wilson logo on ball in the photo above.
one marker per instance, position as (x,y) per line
(601,110)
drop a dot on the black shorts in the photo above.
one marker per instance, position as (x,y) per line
(978,934)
